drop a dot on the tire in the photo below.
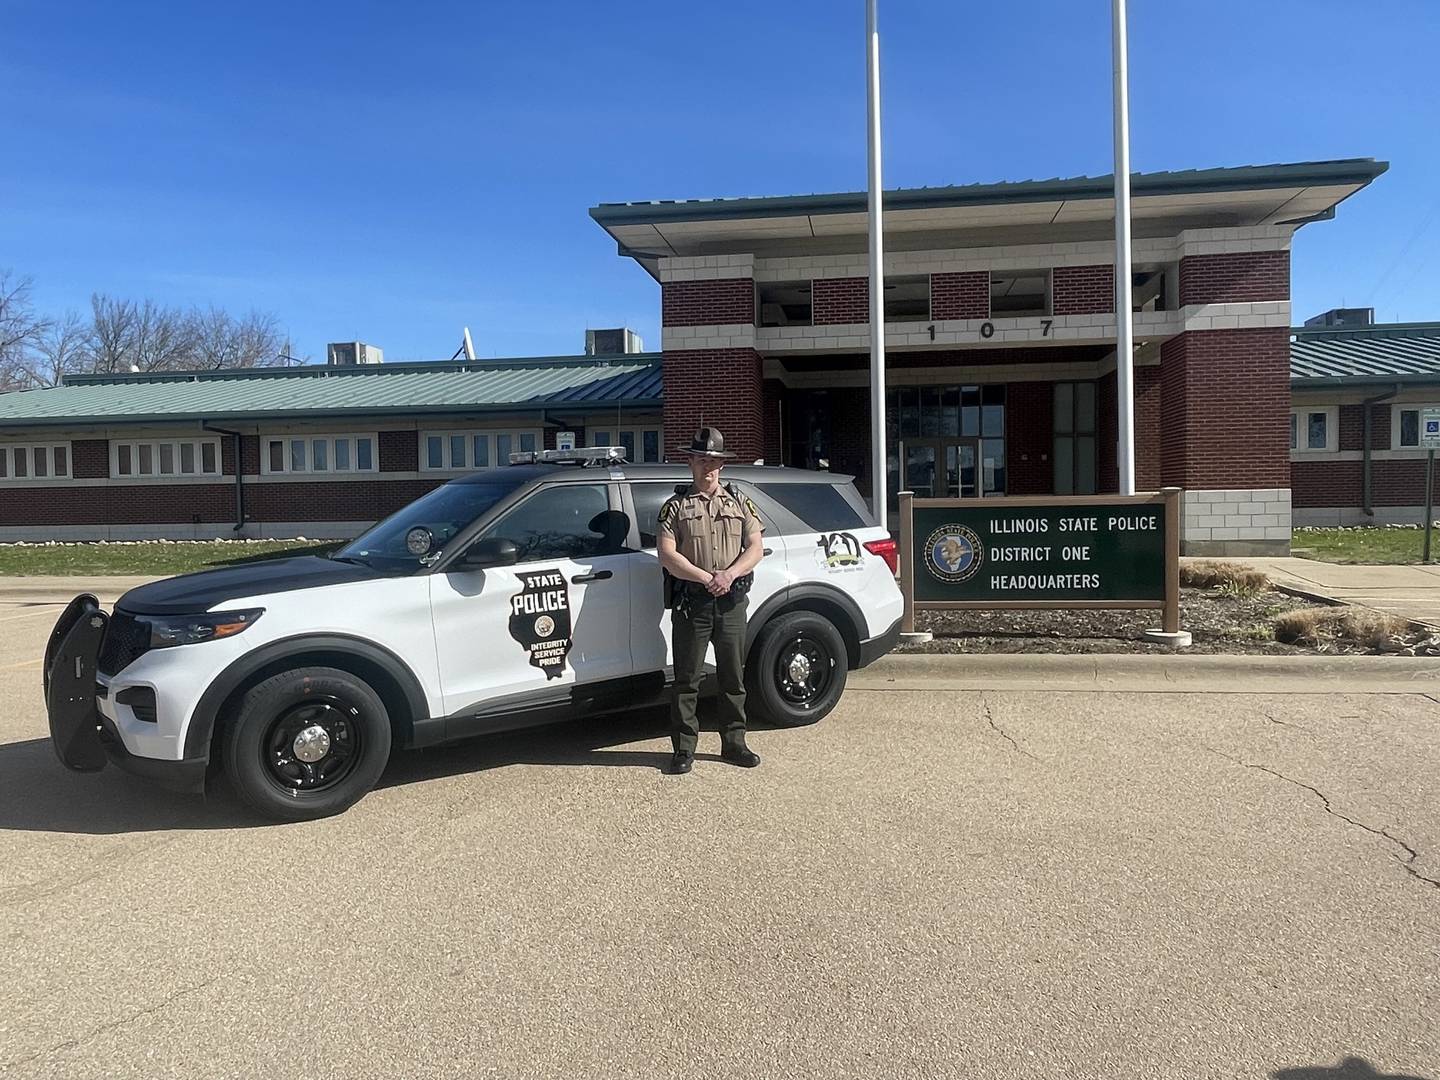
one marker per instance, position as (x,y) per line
(275,727)
(774,688)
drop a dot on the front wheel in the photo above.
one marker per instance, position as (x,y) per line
(797,669)
(307,743)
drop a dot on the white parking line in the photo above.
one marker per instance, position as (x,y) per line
(48,609)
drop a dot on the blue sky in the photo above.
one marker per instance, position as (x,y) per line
(392,172)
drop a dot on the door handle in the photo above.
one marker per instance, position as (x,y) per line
(598,575)
(767,551)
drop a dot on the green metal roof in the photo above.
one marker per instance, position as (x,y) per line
(385,389)
(1189,181)
(1385,353)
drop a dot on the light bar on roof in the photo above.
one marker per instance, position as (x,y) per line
(586,455)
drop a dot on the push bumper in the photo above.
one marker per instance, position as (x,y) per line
(876,647)
(83,739)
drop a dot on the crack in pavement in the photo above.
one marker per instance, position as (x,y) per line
(103,1029)
(990,719)
(1411,855)
(1286,723)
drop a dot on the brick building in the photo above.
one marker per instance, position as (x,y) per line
(1347,467)
(1000,333)
(1001,371)
(321,451)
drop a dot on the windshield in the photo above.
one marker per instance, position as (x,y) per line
(400,542)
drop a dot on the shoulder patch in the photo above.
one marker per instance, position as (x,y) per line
(669,509)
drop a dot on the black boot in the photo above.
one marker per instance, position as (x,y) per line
(740,755)
(681,762)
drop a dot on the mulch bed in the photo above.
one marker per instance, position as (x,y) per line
(1219,622)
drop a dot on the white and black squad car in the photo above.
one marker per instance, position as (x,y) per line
(511,597)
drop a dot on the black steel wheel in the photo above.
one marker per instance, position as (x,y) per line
(307,743)
(797,669)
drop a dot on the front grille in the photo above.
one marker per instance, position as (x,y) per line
(126,640)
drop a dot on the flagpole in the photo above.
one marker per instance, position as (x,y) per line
(879,459)
(1124,323)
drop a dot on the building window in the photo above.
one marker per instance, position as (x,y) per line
(783,303)
(1154,288)
(1312,430)
(442,451)
(1016,294)
(1074,456)
(1406,425)
(34,461)
(164,457)
(907,299)
(296,454)
(641,444)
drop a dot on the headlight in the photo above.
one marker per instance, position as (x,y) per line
(166,631)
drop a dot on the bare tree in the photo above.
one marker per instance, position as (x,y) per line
(223,341)
(20,328)
(129,335)
(63,349)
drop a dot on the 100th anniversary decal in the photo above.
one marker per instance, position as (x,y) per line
(540,620)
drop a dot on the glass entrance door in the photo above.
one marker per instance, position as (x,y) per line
(943,468)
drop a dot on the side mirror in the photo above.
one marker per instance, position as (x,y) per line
(495,551)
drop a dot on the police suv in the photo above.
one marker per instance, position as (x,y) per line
(511,597)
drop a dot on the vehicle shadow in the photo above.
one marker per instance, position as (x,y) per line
(1352,1068)
(38,794)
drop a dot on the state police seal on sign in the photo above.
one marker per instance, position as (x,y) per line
(953,554)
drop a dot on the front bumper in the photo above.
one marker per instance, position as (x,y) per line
(84,739)
(876,647)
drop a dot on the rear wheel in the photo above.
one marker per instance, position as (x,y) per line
(797,667)
(307,743)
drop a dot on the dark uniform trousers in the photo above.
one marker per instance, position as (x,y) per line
(718,621)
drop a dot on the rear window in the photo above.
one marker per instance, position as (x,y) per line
(821,506)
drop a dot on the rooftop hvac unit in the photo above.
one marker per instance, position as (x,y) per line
(1344,316)
(612,342)
(351,353)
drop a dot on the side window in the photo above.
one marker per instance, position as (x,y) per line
(648,500)
(822,506)
(569,521)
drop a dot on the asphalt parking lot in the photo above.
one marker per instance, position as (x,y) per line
(1020,882)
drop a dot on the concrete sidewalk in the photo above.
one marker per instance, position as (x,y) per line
(1412,592)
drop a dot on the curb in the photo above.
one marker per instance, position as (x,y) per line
(1129,673)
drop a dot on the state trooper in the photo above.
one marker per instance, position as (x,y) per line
(710,540)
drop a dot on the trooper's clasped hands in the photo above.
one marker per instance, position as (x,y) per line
(720,582)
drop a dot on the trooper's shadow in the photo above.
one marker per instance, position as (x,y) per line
(1352,1068)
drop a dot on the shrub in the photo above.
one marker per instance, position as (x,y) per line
(1233,578)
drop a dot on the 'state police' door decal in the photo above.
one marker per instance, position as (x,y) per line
(540,620)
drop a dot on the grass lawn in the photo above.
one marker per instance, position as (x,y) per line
(153,559)
(1368,546)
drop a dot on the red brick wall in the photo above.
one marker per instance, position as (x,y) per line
(1147,428)
(1352,427)
(1029,438)
(850,434)
(772,400)
(1225,399)
(1341,483)
(1235,277)
(399,451)
(720,302)
(717,388)
(90,459)
(1107,434)
(960,296)
(839,300)
(163,504)
(1082,290)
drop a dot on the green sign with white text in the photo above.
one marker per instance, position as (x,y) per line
(1091,552)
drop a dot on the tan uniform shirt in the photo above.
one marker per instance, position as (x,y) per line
(709,530)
